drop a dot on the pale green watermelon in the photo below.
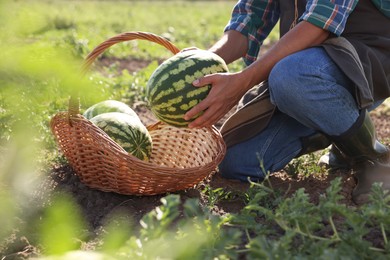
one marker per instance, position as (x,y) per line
(170,92)
(127,131)
(108,106)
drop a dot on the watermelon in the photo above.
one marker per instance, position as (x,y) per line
(108,106)
(127,131)
(169,90)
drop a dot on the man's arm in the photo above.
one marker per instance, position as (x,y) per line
(232,46)
(301,37)
(228,88)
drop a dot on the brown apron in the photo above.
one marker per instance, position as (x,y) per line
(363,58)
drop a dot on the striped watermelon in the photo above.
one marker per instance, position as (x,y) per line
(170,92)
(127,131)
(108,106)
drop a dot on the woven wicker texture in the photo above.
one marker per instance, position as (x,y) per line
(181,157)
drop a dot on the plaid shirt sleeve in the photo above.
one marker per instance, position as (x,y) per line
(254,19)
(330,15)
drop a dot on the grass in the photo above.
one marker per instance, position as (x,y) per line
(85,24)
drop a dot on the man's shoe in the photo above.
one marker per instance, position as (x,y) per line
(369,157)
(334,160)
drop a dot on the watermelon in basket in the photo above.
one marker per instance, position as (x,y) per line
(180,159)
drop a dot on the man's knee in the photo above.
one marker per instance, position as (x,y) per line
(232,168)
(229,168)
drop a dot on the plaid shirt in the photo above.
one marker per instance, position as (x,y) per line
(255,19)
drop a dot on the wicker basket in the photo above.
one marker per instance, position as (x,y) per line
(181,157)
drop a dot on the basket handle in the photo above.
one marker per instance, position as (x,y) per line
(127,36)
(74,102)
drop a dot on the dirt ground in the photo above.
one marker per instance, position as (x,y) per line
(97,205)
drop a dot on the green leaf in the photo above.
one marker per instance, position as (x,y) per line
(61,227)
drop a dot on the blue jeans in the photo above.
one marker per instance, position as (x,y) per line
(312,94)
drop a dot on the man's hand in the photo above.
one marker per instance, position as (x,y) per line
(226,90)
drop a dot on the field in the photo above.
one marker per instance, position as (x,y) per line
(302,212)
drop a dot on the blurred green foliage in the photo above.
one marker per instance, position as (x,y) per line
(43,45)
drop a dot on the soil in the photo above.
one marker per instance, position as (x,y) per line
(97,206)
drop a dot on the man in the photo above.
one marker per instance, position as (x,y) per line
(330,66)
